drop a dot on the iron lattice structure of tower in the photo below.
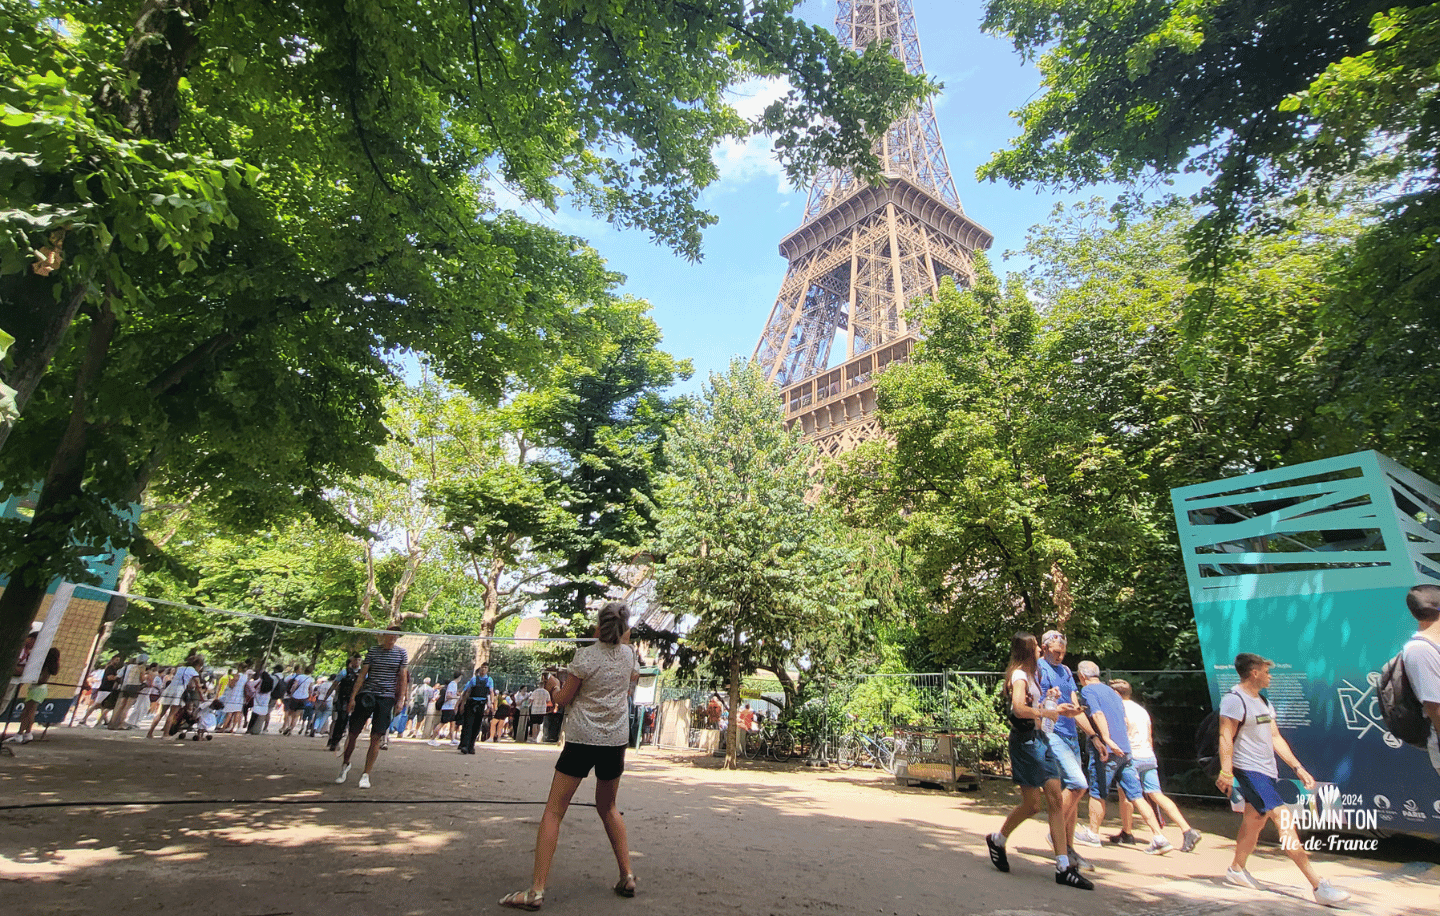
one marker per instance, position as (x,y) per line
(862,255)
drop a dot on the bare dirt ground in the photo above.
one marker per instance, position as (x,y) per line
(255,826)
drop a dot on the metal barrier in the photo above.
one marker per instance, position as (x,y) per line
(968,704)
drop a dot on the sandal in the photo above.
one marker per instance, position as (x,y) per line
(523,900)
(625,887)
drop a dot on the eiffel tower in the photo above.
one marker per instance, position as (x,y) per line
(862,255)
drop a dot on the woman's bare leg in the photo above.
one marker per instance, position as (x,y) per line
(562,790)
(606,791)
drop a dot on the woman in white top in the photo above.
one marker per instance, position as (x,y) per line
(597,729)
(234,700)
(1032,764)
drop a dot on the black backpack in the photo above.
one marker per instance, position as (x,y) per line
(1207,740)
(1400,708)
(345,687)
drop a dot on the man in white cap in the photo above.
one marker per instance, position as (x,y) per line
(37,692)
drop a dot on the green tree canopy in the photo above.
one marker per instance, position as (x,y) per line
(744,557)
(252,206)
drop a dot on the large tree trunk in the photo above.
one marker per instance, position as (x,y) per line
(158,54)
(732,732)
(57,509)
(490,616)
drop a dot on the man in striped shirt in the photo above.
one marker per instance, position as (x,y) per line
(381,686)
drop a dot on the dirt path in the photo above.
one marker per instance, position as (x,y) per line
(264,830)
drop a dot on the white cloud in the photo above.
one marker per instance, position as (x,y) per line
(740,162)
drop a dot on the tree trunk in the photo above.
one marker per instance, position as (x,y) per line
(732,732)
(490,616)
(57,509)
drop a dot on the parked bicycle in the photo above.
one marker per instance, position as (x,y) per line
(773,741)
(864,749)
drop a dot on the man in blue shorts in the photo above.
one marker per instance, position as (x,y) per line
(1064,740)
(1249,743)
(1110,757)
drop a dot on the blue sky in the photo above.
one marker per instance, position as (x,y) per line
(716,309)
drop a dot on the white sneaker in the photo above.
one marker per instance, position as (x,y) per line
(1328,894)
(1241,877)
(344,771)
(1158,847)
(433,742)
(15,739)
(364,780)
(1087,836)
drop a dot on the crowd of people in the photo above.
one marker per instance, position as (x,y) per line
(1050,709)
(191,701)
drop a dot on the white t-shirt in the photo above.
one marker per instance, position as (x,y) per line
(1422,668)
(600,712)
(300,687)
(1032,691)
(1254,743)
(539,699)
(452,695)
(1137,729)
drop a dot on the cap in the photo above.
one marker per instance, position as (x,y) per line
(1052,634)
(36,627)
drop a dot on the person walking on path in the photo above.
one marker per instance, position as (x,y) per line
(382,684)
(1032,764)
(1140,731)
(1421,659)
(297,697)
(539,700)
(132,679)
(1064,738)
(1110,758)
(1250,741)
(340,700)
(597,694)
(473,701)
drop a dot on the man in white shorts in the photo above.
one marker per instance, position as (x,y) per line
(1142,753)
(1421,657)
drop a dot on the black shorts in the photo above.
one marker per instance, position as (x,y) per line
(578,760)
(294,705)
(447,716)
(378,709)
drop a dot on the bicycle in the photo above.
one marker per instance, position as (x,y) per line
(866,750)
(773,741)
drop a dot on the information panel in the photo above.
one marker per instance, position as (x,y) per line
(1309,565)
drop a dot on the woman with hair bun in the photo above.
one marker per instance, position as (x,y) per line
(597,730)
